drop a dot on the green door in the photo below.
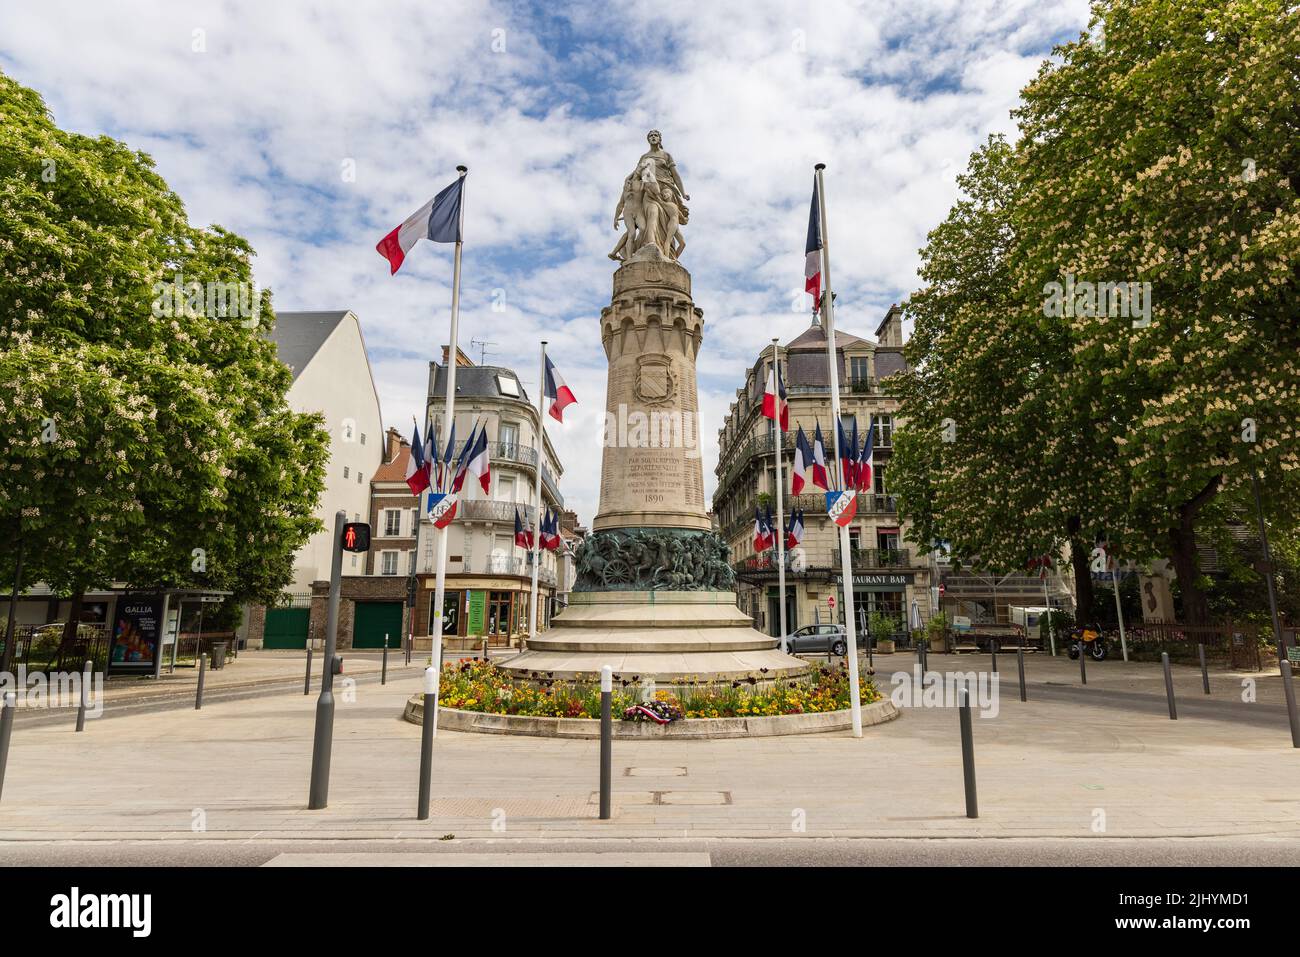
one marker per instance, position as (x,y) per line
(286,628)
(374,620)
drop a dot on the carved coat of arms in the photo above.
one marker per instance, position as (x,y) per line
(655,382)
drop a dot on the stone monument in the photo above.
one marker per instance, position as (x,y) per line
(655,592)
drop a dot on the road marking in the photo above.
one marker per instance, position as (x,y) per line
(498,859)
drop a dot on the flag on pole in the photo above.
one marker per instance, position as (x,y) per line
(819,476)
(863,468)
(438,220)
(417,472)
(775,406)
(442,508)
(842,506)
(477,463)
(561,395)
(770,524)
(430,456)
(847,450)
(444,464)
(803,457)
(523,536)
(812,266)
(462,460)
(762,533)
(794,535)
(551,531)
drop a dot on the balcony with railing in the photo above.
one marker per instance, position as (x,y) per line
(873,558)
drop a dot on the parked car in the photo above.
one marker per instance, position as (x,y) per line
(818,639)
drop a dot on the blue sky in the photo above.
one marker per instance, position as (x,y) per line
(251,110)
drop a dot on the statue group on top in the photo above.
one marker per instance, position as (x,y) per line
(652,206)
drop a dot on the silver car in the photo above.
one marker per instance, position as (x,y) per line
(818,639)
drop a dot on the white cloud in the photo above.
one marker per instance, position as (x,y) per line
(252,132)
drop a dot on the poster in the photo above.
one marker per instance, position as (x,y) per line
(136,634)
(477,613)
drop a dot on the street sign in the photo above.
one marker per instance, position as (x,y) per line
(831,601)
(356,537)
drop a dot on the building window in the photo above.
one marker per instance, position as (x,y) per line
(884,431)
(388,563)
(345,472)
(363,438)
(392,521)
(859,369)
(358,478)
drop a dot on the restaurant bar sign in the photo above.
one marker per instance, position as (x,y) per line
(137,634)
(880,581)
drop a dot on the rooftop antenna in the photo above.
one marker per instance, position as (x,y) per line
(482,349)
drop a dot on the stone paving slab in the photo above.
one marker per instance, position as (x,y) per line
(238,771)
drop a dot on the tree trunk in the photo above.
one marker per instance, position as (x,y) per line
(1182,542)
(1079,560)
(69,628)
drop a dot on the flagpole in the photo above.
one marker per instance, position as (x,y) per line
(846,563)
(537,492)
(415,568)
(780,492)
(448,416)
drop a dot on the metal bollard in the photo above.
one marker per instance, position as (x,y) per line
(87,673)
(1169,686)
(426,743)
(1291,714)
(1205,673)
(7,709)
(306,685)
(198,696)
(1020,663)
(1083,661)
(383,673)
(968,754)
(606,736)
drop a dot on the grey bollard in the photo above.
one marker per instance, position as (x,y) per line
(968,754)
(306,685)
(198,695)
(426,743)
(606,736)
(1205,672)
(1020,664)
(383,673)
(1169,686)
(7,709)
(1289,689)
(87,673)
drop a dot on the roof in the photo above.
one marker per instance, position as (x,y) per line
(298,336)
(478,381)
(394,471)
(815,337)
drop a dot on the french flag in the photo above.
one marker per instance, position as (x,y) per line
(438,220)
(762,533)
(863,471)
(774,400)
(848,456)
(477,462)
(523,536)
(462,461)
(803,456)
(812,266)
(551,531)
(819,476)
(795,534)
(561,395)
(417,469)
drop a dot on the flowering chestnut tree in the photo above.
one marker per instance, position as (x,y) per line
(147,445)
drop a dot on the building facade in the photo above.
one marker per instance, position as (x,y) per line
(890,576)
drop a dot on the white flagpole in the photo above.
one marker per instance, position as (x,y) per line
(846,562)
(780,492)
(540,439)
(448,416)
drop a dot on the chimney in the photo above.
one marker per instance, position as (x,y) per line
(393,443)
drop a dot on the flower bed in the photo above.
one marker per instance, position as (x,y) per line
(477,685)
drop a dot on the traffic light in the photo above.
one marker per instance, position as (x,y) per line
(356,537)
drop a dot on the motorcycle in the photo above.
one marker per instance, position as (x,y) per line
(1089,639)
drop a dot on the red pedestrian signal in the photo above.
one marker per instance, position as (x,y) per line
(356,537)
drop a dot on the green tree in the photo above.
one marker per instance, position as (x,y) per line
(147,441)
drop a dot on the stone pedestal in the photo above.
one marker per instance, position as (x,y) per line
(651,473)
